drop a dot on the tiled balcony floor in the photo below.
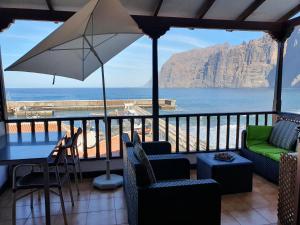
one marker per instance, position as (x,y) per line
(107,208)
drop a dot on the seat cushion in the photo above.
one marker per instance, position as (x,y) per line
(266,148)
(143,159)
(258,134)
(284,135)
(274,156)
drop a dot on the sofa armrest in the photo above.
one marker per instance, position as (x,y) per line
(157,147)
(244,138)
(180,202)
(170,166)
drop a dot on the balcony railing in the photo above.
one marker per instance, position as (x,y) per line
(188,133)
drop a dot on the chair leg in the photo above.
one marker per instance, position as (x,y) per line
(63,206)
(69,186)
(14,217)
(31,200)
(76,178)
(39,196)
(79,168)
(78,162)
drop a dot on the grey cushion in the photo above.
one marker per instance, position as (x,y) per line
(136,139)
(284,135)
(143,159)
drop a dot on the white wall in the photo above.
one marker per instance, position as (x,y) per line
(3,169)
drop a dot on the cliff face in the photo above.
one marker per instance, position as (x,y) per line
(248,65)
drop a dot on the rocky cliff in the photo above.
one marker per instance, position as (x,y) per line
(250,65)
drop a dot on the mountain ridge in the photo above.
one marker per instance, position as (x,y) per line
(247,65)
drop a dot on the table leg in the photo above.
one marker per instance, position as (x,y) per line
(46,191)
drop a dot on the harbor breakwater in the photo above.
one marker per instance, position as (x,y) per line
(46,108)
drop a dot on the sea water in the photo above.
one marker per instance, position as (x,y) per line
(188,100)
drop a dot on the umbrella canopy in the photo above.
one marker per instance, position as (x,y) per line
(89,39)
(85,42)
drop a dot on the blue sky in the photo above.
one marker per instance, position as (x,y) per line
(131,68)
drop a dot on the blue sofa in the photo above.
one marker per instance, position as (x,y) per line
(174,199)
(265,156)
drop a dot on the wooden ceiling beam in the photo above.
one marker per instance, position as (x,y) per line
(250,9)
(158,7)
(293,22)
(49,4)
(290,13)
(152,23)
(8,15)
(204,8)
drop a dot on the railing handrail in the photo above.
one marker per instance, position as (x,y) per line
(14,120)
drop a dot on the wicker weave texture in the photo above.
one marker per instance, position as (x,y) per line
(287,189)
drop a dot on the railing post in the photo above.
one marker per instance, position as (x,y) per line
(278,78)
(155,89)
(154,32)
(2,93)
(280,38)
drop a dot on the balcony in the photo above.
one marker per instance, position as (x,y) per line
(189,134)
(223,133)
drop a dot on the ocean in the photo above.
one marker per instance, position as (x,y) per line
(188,100)
(191,100)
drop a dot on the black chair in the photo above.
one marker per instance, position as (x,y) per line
(34,180)
(73,159)
(174,199)
(153,147)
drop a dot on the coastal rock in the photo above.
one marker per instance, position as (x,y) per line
(248,65)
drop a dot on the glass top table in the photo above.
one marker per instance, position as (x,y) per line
(28,146)
(31,148)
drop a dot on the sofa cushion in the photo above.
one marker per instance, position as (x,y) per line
(258,134)
(284,135)
(275,156)
(265,148)
(143,159)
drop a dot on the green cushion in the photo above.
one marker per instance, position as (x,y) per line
(265,148)
(275,156)
(258,134)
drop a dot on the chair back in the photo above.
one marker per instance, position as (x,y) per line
(136,138)
(75,137)
(60,155)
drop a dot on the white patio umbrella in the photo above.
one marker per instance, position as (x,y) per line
(85,42)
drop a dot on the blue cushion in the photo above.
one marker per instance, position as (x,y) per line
(284,135)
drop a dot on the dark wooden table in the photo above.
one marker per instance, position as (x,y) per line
(31,148)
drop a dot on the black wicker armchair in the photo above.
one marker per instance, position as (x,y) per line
(174,199)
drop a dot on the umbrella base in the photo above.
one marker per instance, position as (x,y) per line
(103,183)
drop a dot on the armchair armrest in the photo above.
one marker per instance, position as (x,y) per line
(243,140)
(157,147)
(170,167)
(180,202)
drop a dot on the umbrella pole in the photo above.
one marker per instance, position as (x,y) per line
(107,181)
(106,125)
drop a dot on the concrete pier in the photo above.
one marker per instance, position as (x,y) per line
(46,107)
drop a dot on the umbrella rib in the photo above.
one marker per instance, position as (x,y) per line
(87,55)
(93,50)
(102,42)
(67,49)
